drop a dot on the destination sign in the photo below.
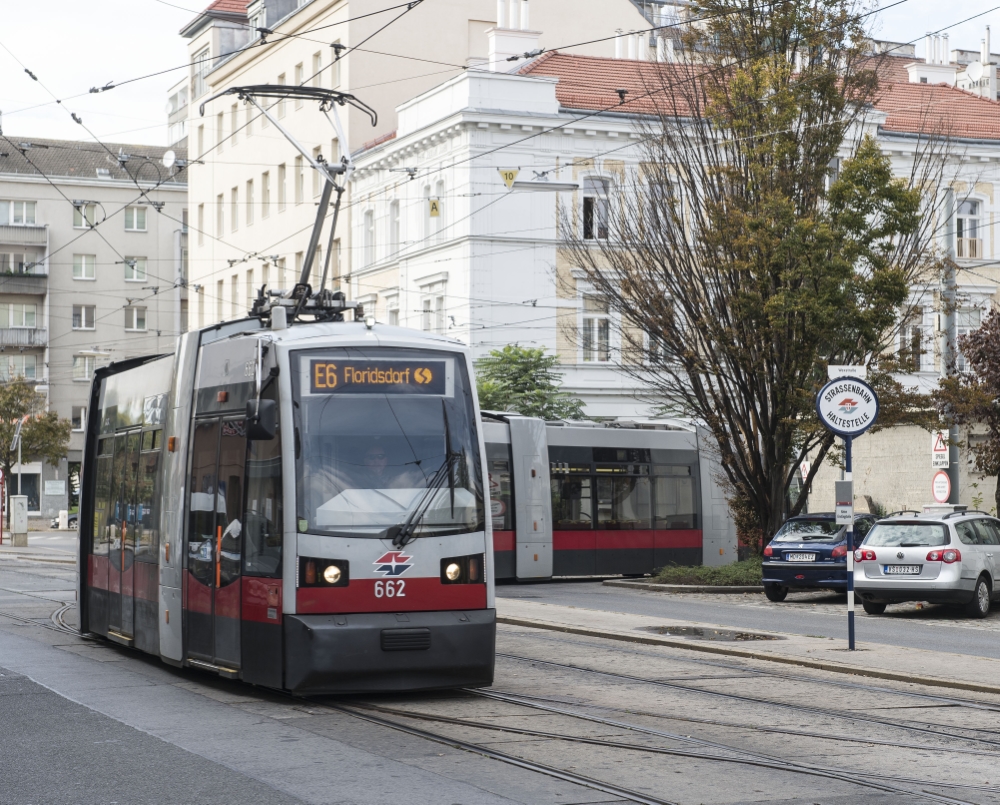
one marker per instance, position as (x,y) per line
(377,377)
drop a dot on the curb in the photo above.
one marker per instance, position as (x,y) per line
(29,558)
(682,588)
(852,670)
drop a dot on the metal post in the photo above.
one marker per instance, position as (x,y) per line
(850,549)
(949,353)
(324,203)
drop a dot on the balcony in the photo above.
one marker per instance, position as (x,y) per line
(27,235)
(33,284)
(969,248)
(23,337)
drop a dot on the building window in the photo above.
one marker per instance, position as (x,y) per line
(250,289)
(265,194)
(135,318)
(19,262)
(83,367)
(200,65)
(595,209)
(201,224)
(220,293)
(300,181)
(369,236)
(79,418)
(18,315)
(432,308)
(300,78)
(249,202)
(84,215)
(335,258)
(281,102)
(135,219)
(969,245)
(201,140)
(911,341)
(265,274)
(300,258)
(281,272)
(15,366)
(317,76)
(234,205)
(317,179)
(596,330)
(334,151)
(437,210)
(84,266)
(19,213)
(393,228)
(427,212)
(220,215)
(234,122)
(281,187)
(201,308)
(135,269)
(234,299)
(249,121)
(220,136)
(392,310)
(337,47)
(966,321)
(84,317)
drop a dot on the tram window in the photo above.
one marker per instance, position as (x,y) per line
(102,499)
(572,459)
(232,462)
(572,503)
(623,503)
(147,503)
(621,455)
(262,547)
(375,427)
(205,501)
(501,488)
(673,498)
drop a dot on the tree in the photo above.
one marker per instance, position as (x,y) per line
(973,397)
(524,380)
(44,436)
(738,264)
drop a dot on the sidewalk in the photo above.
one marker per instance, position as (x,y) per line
(58,547)
(919,666)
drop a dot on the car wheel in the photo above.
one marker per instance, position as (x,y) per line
(775,592)
(979,606)
(871,608)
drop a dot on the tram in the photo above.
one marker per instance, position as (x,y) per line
(293,499)
(584,498)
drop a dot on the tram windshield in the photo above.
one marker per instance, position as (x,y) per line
(381,434)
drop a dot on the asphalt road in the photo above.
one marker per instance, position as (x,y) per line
(926,626)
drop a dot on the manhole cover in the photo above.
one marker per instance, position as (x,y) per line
(696,633)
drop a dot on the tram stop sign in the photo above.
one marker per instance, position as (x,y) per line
(847,406)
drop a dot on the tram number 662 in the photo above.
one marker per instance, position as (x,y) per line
(390,589)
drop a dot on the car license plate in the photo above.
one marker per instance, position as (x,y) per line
(800,557)
(902,570)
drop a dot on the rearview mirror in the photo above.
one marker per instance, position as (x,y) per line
(262,419)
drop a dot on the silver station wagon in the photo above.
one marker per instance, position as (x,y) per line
(942,558)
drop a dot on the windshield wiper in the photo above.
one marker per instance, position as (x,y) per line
(403,534)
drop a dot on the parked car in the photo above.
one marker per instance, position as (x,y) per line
(810,552)
(947,558)
(73,521)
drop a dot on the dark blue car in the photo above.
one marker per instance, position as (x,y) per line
(810,552)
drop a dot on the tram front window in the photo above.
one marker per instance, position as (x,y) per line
(381,434)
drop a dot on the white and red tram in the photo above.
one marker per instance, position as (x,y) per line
(298,505)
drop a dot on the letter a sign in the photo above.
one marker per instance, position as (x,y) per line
(939,450)
(435,207)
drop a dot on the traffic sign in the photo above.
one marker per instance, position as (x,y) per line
(509,175)
(941,487)
(848,406)
(834,370)
(939,450)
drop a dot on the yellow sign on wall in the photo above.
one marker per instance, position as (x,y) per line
(508,175)
(435,208)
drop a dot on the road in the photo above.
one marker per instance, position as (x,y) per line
(934,627)
(570,720)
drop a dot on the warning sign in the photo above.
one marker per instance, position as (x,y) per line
(509,175)
(939,450)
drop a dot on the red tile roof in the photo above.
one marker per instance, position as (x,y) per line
(592,83)
(229,6)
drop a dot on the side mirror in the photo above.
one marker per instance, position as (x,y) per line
(262,420)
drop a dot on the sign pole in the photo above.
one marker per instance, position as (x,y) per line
(849,478)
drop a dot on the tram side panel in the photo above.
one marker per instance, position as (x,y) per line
(500,482)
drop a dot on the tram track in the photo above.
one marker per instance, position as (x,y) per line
(850,716)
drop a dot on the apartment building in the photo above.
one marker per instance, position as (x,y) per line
(252,194)
(93,251)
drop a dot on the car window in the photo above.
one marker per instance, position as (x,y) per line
(809,530)
(987,532)
(907,535)
(967,533)
(862,526)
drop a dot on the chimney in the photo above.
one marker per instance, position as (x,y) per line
(928,46)
(502,13)
(524,15)
(945,53)
(619,44)
(515,40)
(989,56)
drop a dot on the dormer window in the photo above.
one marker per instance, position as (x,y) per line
(103,173)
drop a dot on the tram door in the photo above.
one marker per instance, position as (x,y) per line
(124,488)
(214,541)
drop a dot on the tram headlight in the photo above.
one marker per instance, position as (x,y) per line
(332,574)
(462,569)
(323,572)
(453,571)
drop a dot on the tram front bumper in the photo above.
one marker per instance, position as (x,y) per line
(382,651)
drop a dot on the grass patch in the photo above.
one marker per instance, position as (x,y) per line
(737,574)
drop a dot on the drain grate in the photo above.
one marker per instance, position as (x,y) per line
(697,633)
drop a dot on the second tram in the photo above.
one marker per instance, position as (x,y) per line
(298,506)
